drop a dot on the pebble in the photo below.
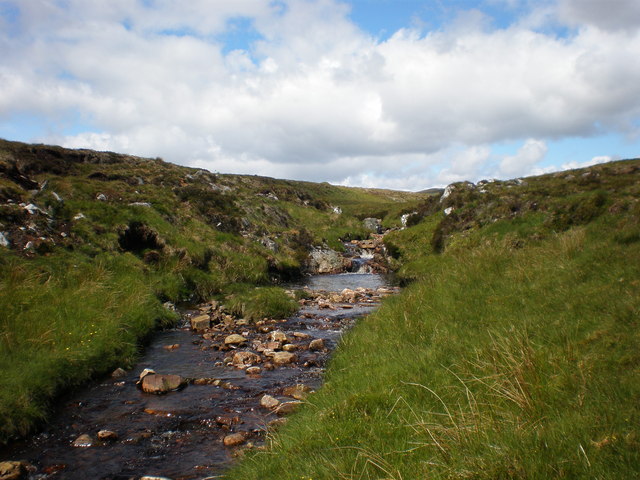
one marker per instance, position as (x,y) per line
(283,358)
(278,336)
(107,435)
(233,440)
(267,401)
(234,339)
(118,373)
(83,441)
(317,344)
(253,371)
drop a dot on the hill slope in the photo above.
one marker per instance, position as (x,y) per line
(514,352)
(93,243)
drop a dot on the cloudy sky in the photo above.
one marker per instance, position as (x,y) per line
(401,94)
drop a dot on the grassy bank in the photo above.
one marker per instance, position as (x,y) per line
(513,354)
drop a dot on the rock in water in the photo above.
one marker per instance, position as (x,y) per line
(200,323)
(155,383)
(233,439)
(282,358)
(317,344)
(83,440)
(267,401)
(12,471)
(234,339)
(107,435)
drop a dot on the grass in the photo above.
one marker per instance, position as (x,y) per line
(513,354)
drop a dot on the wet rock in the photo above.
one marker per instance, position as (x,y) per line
(267,401)
(153,477)
(83,441)
(316,345)
(13,470)
(227,421)
(234,439)
(107,435)
(299,391)
(155,383)
(283,358)
(253,371)
(144,373)
(289,347)
(234,339)
(285,408)
(325,260)
(278,336)
(118,373)
(172,347)
(244,358)
(200,323)
(301,335)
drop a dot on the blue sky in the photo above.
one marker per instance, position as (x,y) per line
(400,94)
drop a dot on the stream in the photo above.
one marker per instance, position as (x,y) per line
(182,434)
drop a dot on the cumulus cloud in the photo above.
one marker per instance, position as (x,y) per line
(313,96)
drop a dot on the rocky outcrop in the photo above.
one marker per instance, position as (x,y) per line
(326,260)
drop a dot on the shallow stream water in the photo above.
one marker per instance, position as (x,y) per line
(180,434)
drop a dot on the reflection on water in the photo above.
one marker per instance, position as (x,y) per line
(340,281)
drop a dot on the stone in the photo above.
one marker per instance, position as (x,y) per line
(267,401)
(153,477)
(118,373)
(101,197)
(107,435)
(278,336)
(234,339)
(83,441)
(283,358)
(301,335)
(285,408)
(372,224)
(233,440)
(253,371)
(299,391)
(145,372)
(3,240)
(155,383)
(289,347)
(200,323)
(316,345)
(244,358)
(325,260)
(12,470)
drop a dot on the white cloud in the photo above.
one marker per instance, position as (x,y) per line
(524,161)
(315,97)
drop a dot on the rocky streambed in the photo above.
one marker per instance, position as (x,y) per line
(204,392)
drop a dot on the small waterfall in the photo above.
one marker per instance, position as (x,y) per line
(360,259)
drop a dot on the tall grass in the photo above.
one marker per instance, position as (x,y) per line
(497,363)
(63,321)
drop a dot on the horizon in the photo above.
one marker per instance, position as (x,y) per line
(406,95)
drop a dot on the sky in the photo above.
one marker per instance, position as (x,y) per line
(400,94)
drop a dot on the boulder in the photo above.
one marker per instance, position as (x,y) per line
(12,470)
(200,323)
(233,440)
(372,224)
(283,358)
(234,339)
(267,401)
(325,260)
(155,383)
